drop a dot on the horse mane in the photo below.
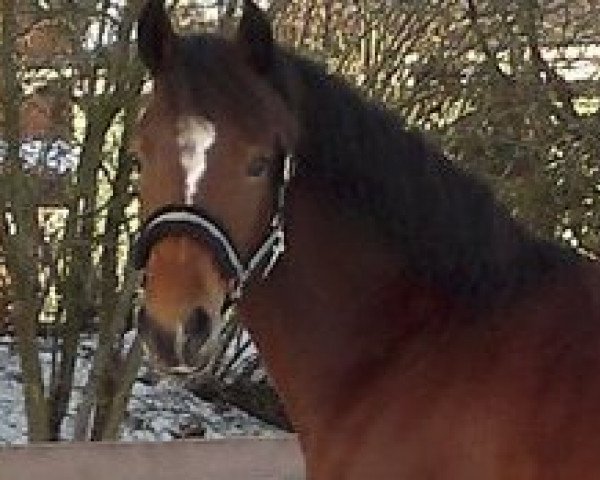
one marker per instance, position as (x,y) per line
(441,220)
(443,223)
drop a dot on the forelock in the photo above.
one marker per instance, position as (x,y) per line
(209,79)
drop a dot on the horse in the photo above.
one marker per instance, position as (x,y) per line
(412,327)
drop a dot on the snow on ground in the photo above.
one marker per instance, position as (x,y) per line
(156,412)
(13,428)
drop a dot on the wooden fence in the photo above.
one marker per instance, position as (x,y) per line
(231,459)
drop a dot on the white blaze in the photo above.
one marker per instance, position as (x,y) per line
(196,136)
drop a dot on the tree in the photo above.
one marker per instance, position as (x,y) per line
(508,88)
(86,49)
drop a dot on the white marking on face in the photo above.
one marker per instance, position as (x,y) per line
(196,136)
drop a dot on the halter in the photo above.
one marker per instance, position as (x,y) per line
(197,223)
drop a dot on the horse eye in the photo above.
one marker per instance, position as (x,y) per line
(258,166)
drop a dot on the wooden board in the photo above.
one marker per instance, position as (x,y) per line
(230,459)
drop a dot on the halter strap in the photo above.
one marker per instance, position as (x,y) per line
(197,223)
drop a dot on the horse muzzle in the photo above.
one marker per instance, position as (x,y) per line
(188,349)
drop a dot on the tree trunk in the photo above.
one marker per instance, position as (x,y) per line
(19,244)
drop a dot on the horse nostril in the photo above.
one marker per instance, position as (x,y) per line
(158,343)
(198,326)
(197,330)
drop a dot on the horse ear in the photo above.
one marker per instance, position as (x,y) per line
(255,37)
(155,35)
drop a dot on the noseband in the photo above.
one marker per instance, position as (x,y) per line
(197,223)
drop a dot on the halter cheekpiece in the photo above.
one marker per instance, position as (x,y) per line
(197,223)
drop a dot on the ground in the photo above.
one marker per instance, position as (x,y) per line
(156,411)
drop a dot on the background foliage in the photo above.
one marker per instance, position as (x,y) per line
(509,88)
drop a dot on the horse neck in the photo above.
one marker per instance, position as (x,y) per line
(334,313)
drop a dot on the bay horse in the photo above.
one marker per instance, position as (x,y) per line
(412,327)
